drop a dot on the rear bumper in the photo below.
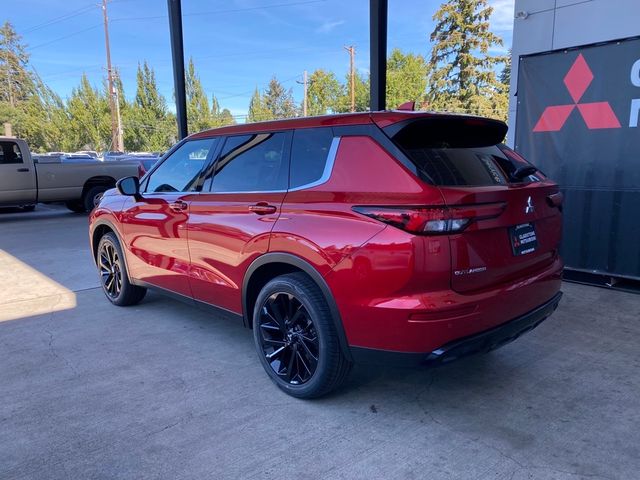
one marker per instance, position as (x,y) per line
(482,342)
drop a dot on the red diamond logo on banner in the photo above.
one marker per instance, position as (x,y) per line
(597,115)
(578,78)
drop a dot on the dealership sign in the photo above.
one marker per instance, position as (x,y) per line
(577,119)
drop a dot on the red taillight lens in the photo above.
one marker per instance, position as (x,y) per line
(141,170)
(432,220)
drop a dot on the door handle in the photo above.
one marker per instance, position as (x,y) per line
(262,208)
(178,206)
(23,169)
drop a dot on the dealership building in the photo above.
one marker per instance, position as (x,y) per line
(574,112)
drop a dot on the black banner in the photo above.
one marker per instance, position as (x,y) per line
(577,120)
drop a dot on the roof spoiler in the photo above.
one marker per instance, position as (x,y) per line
(447,131)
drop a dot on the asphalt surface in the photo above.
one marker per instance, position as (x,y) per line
(163,390)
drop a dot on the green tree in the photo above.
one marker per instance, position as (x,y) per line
(258,111)
(362,94)
(198,111)
(89,124)
(505,75)
(34,111)
(147,125)
(279,101)
(324,93)
(220,117)
(42,119)
(406,78)
(463,74)
(16,81)
(226,118)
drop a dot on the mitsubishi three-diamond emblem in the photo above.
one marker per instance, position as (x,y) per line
(596,115)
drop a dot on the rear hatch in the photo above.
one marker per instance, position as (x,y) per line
(512,211)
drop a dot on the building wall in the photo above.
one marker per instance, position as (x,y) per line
(557,24)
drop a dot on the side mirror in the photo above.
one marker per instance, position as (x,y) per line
(129,186)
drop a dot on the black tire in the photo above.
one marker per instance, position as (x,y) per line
(92,196)
(113,273)
(75,206)
(277,338)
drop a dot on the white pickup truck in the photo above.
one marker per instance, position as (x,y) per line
(24,182)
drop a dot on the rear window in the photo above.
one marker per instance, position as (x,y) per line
(309,153)
(459,151)
(459,166)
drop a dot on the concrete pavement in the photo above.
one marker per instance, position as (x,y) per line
(165,391)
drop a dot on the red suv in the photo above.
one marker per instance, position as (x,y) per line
(393,236)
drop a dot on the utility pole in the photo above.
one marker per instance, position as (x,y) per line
(305,84)
(352,75)
(116,139)
(116,96)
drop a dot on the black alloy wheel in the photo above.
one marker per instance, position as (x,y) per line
(113,273)
(110,269)
(288,338)
(296,337)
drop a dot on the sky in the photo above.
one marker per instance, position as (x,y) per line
(237,45)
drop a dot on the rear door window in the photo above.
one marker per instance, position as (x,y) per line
(309,155)
(252,163)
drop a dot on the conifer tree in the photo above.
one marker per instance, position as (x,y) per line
(89,124)
(463,74)
(258,112)
(16,81)
(147,127)
(278,101)
(198,111)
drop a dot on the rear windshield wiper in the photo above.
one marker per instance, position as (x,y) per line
(523,172)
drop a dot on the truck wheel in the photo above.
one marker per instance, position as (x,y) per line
(296,338)
(114,277)
(75,206)
(92,197)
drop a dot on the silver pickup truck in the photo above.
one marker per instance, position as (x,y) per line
(24,182)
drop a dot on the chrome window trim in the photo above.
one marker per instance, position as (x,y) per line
(328,167)
(244,191)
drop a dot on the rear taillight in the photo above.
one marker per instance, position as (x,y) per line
(141,170)
(432,220)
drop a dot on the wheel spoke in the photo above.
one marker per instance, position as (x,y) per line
(274,343)
(269,326)
(276,352)
(306,348)
(304,364)
(276,314)
(298,313)
(118,281)
(291,363)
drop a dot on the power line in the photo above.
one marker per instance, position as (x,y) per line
(218,12)
(61,18)
(78,32)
